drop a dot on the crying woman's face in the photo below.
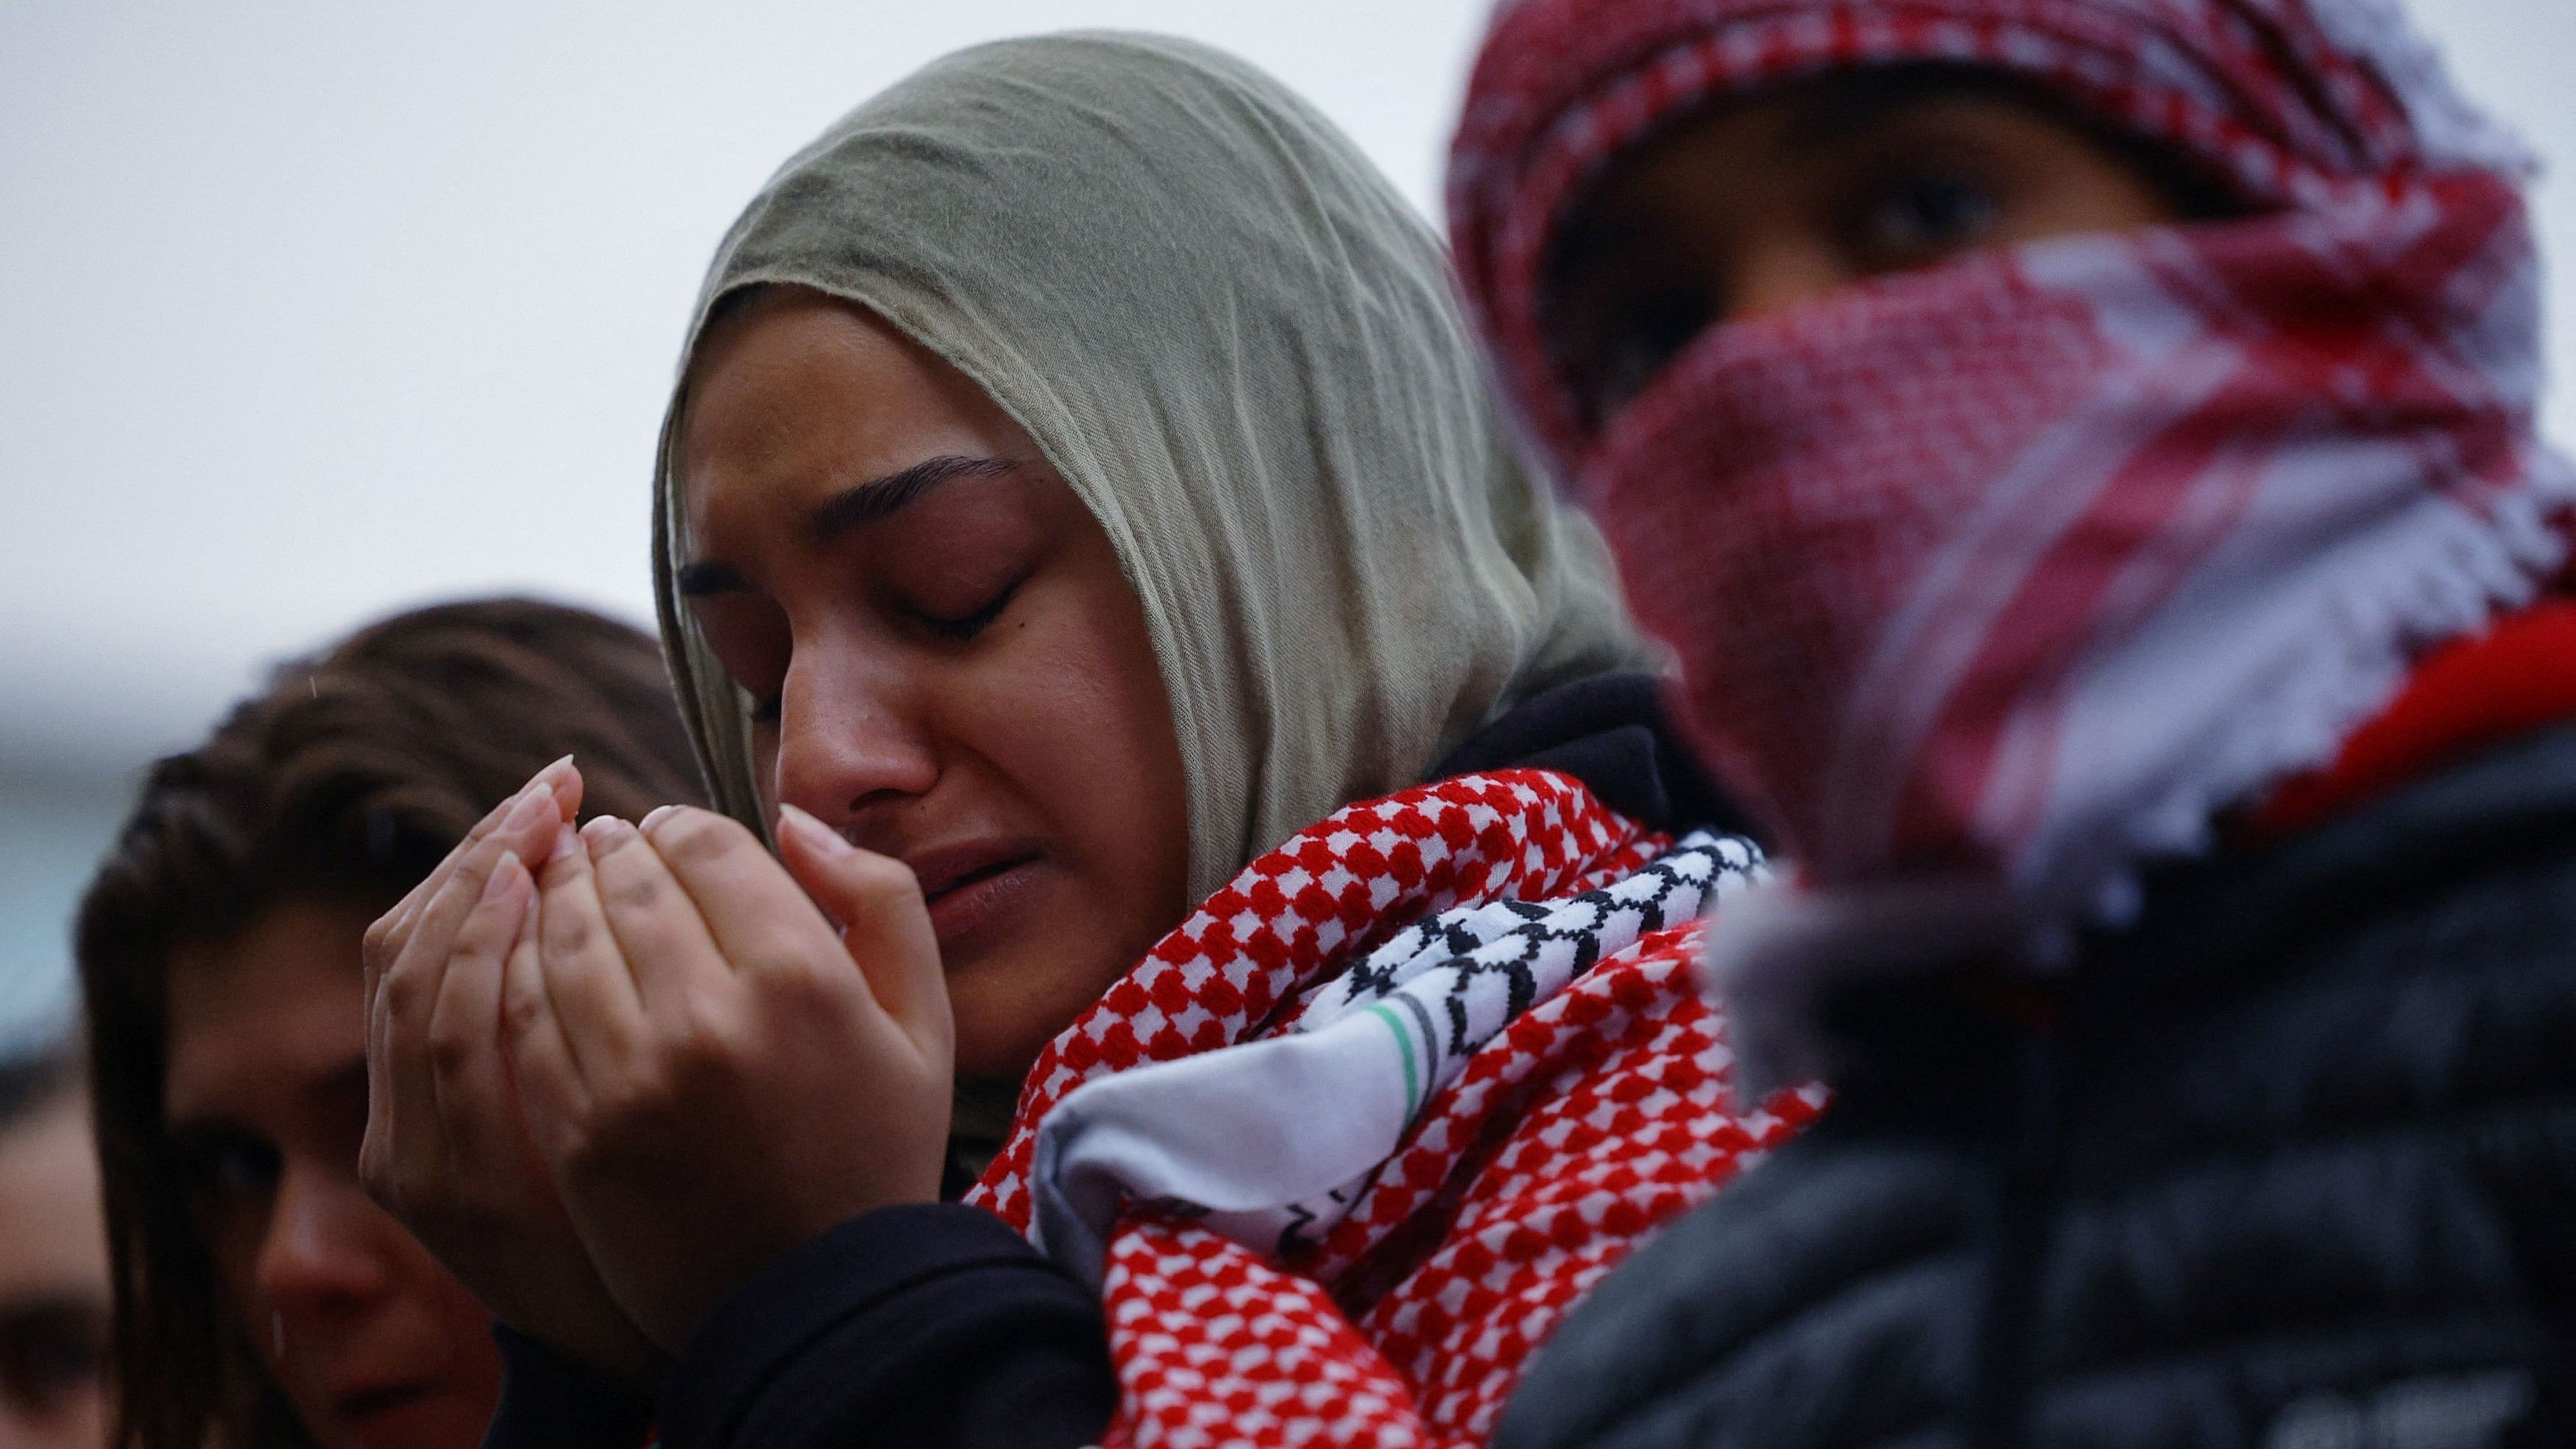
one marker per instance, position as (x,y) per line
(946,662)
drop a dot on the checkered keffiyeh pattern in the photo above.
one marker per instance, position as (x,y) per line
(1585,1119)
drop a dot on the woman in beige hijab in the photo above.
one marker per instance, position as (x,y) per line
(1081,533)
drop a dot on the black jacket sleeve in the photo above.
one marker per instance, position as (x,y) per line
(931,1325)
(550,1402)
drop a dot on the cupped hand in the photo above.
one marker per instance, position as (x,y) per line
(714,1069)
(446,1150)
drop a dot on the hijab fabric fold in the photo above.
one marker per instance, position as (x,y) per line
(1238,346)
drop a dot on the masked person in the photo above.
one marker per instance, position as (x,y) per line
(261,1297)
(1247,860)
(2083,453)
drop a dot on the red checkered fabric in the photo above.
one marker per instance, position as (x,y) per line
(1594,1116)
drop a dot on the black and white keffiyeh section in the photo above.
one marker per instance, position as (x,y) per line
(1271,1143)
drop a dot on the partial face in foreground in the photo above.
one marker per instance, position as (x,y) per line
(54,1293)
(266,1101)
(950,667)
(1794,193)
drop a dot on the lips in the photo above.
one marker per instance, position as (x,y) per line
(970,884)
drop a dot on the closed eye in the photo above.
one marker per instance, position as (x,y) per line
(963,627)
(954,628)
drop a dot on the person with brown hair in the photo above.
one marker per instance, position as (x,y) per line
(260,1295)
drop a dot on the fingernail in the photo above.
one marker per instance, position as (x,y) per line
(502,875)
(656,813)
(552,769)
(566,842)
(601,830)
(817,834)
(535,803)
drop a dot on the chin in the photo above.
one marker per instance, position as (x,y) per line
(430,1421)
(1006,1059)
(1006,1017)
(1017,989)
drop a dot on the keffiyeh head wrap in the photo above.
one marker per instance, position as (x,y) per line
(2011,573)
(2026,564)
(1240,348)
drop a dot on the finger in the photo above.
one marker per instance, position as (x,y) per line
(762,921)
(542,1073)
(569,789)
(475,1115)
(525,826)
(406,1148)
(888,931)
(658,928)
(401,986)
(401,1113)
(560,778)
(386,932)
(587,977)
(527,830)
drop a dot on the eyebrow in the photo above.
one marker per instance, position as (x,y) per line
(852,507)
(880,497)
(184,1118)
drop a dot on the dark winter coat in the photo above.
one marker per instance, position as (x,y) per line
(2292,1166)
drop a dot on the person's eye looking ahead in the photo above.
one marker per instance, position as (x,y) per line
(1915,214)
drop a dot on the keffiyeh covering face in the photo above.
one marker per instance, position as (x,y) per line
(2020,568)
(1240,348)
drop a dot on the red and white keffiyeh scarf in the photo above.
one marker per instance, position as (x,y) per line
(2010,574)
(1344,1148)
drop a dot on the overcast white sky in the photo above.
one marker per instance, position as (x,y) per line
(310,310)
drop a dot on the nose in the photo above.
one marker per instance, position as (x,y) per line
(853,737)
(1775,273)
(322,1254)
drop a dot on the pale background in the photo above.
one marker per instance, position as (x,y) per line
(310,311)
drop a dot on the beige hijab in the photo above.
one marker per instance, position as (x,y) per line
(1237,344)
